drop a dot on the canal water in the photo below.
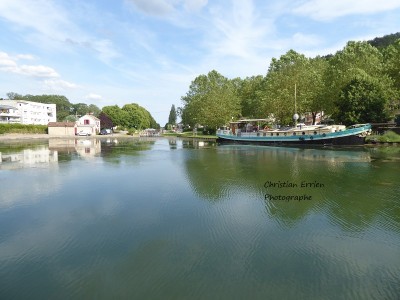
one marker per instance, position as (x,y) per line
(186,219)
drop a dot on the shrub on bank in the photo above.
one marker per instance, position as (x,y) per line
(21,128)
(388,137)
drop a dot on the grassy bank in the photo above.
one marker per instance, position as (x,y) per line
(20,128)
(388,137)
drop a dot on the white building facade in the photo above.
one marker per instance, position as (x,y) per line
(27,112)
(88,124)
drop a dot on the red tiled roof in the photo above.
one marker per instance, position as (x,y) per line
(61,124)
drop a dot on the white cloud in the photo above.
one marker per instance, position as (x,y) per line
(238,32)
(6,61)
(36,71)
(93,96)
(25,57)
(59,85)
(9,64)
(326,10)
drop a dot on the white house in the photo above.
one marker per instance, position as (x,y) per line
(88,124)
(27,112)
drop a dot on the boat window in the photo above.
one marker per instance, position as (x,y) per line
(303,133)
(315,132)
(272,134)
(277,134)
(294,133)
(285,134)
(264,134)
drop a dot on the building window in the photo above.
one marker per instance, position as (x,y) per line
(86,122)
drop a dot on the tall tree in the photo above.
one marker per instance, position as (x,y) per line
(105,121)
(250,91)
(356,59)
(392,68)
(172,115)
(287,75)
(362,100)
(211,101)
(14,96)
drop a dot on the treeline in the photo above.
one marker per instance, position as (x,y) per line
(129,116)
(358,84)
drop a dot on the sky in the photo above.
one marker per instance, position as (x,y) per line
(108,52)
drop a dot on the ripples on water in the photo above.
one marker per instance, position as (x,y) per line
(177,219)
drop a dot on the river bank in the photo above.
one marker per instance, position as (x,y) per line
(31,136)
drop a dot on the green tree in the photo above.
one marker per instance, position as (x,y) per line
(118,117)
(290,71)
(80,109)
(211,101)
(94,109)
(130,116)
(14,96)
(356,59)
(392,69)
(137,117)
(363,100)
(250,92)
(172,115)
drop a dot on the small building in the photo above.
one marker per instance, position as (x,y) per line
(62,128)
(88,124)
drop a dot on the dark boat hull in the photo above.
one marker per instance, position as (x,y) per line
(339,141)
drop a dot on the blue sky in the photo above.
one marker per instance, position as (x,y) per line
(109,52)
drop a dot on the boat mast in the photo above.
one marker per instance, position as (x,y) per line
(295,116)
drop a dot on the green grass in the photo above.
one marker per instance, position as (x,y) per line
(20,128)
(388,137)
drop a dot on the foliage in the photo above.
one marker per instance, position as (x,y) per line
(211,101)
(388,137)
(130,116)
(357,59)
(20,128)
(363,100)
(105,121)
(385,41)
(250,92)
(291,78)
(81,109)
(172,115)
(392,68)
(71,118)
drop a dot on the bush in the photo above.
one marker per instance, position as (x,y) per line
(21,128)
(389,136)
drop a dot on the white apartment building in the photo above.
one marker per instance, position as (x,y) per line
(27,112)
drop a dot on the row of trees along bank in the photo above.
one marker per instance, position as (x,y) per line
(358,84)
(129,116)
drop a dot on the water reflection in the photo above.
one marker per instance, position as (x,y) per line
(26,158)
(173,218)
(349,185)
